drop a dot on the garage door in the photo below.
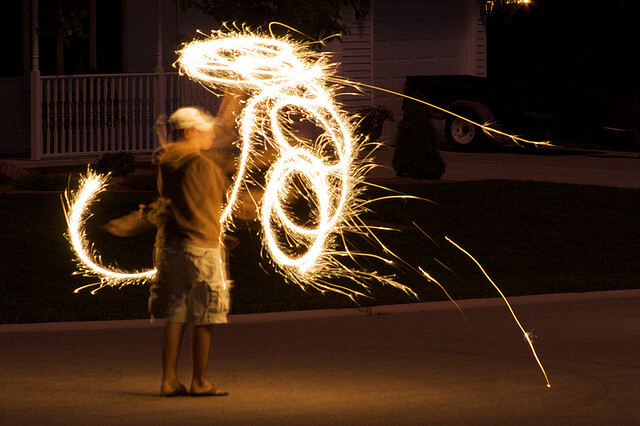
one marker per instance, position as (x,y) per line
(428,37)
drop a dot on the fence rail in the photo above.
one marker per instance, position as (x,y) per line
(93,114)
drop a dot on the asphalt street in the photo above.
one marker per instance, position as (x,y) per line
(422,363)
(411,364)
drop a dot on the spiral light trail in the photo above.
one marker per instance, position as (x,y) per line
(288,84)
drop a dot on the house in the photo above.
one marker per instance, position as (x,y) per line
(86,77)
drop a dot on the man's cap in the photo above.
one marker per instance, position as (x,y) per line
(191,117)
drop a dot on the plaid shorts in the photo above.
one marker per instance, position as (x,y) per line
(190,286)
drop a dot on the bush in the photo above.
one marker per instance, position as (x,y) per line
(417,152)
(119,164)
(372,120)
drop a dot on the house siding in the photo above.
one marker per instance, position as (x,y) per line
(139,36)
(357,55)
(15,116)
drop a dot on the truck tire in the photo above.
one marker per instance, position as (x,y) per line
(462,135)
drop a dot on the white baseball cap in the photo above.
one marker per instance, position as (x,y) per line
(191,117)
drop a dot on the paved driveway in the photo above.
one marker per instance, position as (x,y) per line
(607,168)
(411,364)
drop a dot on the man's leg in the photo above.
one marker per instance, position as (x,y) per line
(171,343)
(201,342)
(201,345)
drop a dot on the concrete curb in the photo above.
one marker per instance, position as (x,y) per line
(327,313)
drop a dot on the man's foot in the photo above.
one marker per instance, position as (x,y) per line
(211,392)
(179,390)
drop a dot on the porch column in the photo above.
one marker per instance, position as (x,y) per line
(93,54)
(161,88)
(36,87)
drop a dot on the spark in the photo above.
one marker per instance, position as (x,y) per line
(485,127)
(75,208)
(433,280)
(527,335)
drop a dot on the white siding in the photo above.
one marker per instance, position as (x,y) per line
(355,55)
(481,47)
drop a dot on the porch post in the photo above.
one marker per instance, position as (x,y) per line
(36,87)
(93,50)
(161,88)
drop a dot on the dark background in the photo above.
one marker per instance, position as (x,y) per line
(580,43)
(589,47)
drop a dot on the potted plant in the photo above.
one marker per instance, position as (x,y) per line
(371,121)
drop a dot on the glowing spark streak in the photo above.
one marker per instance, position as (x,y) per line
(526,334)
(485,127)
(279,175)
(430,278)
(444,266)
(76,204)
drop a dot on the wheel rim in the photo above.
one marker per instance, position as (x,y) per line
(462,131)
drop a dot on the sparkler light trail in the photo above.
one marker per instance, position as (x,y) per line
(527,335)
(290,111)
(289,84)
(487,128)
(75,209)
(288,87)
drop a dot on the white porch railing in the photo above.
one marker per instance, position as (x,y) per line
(87,115)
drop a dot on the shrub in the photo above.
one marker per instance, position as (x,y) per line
(119,164)
(417,152)
(373,118)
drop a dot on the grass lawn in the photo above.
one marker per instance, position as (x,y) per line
(530,237)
